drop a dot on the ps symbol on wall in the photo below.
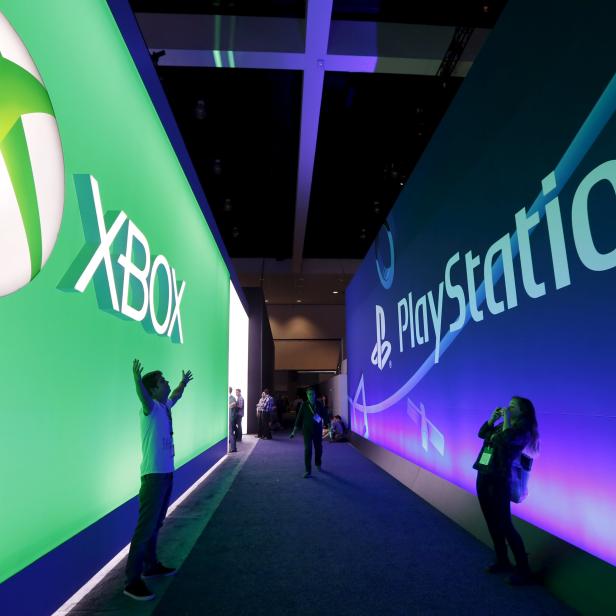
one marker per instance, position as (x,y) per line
(382,348)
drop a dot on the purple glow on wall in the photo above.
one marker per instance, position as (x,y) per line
(513,208)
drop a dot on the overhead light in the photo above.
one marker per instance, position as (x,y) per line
(235,232)
(217,168)
(299,301)
(227,206)
(267,301)
(335,292)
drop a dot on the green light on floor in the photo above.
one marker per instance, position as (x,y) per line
(231,59)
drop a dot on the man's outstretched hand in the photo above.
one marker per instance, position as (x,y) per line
(137,369)
(186,377)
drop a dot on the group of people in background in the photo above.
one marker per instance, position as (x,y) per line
(266,409)
(271,412)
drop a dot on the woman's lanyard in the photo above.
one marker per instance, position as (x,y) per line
(488,448)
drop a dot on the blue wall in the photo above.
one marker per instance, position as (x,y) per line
(495,273)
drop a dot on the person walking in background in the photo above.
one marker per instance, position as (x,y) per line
(311,423)
(276,414)
(239,415)
(323,401)
(261,418)
(232,447)
(156,477)
(503,444)
(268,413)
(265,412)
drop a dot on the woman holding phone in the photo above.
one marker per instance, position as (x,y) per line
(503,442)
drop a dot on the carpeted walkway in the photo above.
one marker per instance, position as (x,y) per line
(350,540)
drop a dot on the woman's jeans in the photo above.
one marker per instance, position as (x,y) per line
(493,493)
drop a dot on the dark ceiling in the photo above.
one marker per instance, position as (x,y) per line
(242,130)
(372,131)
(244,146)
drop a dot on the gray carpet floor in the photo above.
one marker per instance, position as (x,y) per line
(350,540)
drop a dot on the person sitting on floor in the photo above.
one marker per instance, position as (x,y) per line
(337,433)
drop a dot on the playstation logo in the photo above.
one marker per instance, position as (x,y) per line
(382,348)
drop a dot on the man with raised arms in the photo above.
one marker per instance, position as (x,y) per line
(156,477)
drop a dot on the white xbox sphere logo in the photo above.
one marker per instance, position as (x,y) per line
(31,166)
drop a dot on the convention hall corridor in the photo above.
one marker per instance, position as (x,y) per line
(257,538)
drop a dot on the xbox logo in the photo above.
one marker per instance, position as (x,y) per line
(31,166)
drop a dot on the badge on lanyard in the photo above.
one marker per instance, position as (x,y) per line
(486,456)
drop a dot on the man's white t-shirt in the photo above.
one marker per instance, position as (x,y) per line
(157,439)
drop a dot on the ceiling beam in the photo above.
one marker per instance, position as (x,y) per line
(274,60)
(318,20)
(278,43)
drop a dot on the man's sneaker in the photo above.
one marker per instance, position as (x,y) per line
(307,474)
(158,570)
(139,591)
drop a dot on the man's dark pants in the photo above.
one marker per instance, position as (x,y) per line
(154,498)
(238,428)
(232,431)
(264,425)
(313,438)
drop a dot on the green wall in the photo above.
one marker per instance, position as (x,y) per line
(70,428)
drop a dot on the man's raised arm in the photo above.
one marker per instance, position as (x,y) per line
(176,394)
(142,392)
